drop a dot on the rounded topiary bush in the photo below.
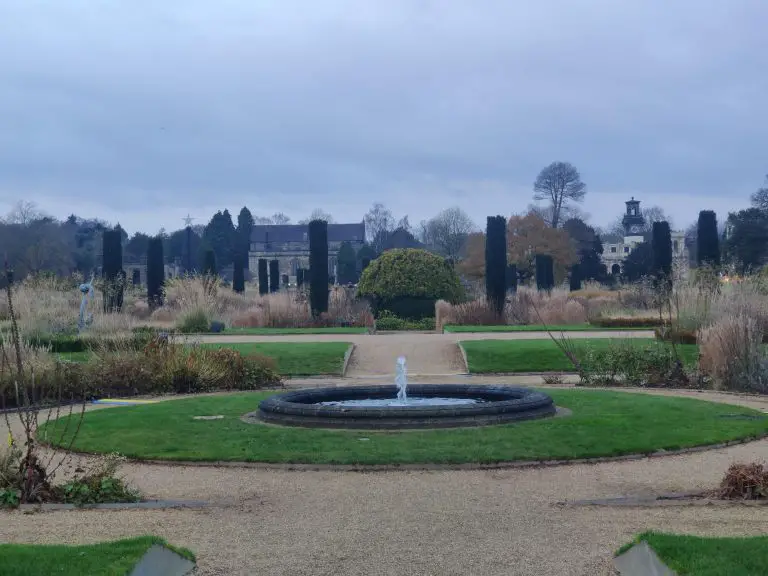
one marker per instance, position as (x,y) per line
(408,282)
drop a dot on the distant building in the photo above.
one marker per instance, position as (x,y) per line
(616,249)
(289,244)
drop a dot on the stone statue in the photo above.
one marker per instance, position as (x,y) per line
(87,291)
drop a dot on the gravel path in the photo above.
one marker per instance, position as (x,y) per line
(498,522)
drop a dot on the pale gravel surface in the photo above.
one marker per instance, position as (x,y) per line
(497,522)
(402,523)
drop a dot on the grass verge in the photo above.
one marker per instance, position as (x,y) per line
(538,328)
(509,356)
(290,331)
(603,423)
(293,358)
(297,358)
(694,555)
(104,559)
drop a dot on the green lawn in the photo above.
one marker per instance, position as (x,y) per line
(298,358)
(293,358)
(695,556)
(289,331)
(509,356)
(538,328)
(105,559)
(603,423)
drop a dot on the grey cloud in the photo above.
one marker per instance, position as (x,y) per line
(343,104)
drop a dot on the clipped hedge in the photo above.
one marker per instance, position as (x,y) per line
(393,323)
(682,336)
(629,322)
(408,282)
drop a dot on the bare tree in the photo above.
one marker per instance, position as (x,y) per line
(280,218)
(448,231)
(24,213)
(404,224)
(546,213)
(318,214)
(559,184)
(379,222)
(650,215)
(760,198)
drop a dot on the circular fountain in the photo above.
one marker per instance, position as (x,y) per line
(404,406)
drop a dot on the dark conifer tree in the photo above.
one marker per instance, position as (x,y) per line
(263,277)
(274,275)
(155,272)
(112,268)
(707,240)
(496,262)
(661,243)
(318,266)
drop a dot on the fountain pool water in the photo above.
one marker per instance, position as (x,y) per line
(401,381)
(403,407)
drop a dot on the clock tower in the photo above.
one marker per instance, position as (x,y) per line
(633,220)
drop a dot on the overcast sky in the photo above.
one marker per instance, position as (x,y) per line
(142,110)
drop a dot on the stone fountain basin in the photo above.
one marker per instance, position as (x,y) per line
(499,405)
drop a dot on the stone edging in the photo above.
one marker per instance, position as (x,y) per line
(347,358)
(513,465)
(464,357)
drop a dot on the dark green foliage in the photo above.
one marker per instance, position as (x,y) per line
(747,243)
(347,264)
(639,263)
(707,240)
(137,247)
(365,253)
(263,277)
(209,263)
(364,264)
(155,271)
(112,266)
(284,280)
(545,272)
(512,278)
(496,262)
(318,266)
(221,236)
(390,322)
(238,275)
(407,282)
(299,277)
(274,275)
(575,278)
(661,242)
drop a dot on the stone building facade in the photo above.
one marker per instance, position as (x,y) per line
(615,250)
(289,245)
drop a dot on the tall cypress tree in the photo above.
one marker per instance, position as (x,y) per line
(575,278)
(112,268)
(238,275)
(496,262)
(274,275)
(512,278)
(263,277)
(707,240)
(155,272)
(209,262)
(318,266)
(661,242)
(545,274)
(299,277)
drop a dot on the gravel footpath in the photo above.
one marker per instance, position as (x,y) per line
(497,522)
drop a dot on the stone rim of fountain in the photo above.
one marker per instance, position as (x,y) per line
(501,404)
